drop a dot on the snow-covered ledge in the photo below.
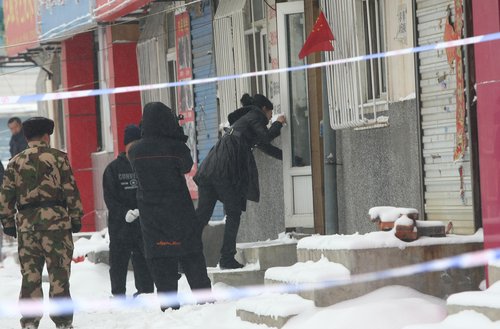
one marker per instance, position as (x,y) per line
(376,251)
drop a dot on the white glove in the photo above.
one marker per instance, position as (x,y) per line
(131,215)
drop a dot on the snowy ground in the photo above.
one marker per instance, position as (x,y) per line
(389,308)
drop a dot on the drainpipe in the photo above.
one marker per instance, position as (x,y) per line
(419,113)
(330,169)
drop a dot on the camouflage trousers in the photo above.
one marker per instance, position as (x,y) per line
(54,248)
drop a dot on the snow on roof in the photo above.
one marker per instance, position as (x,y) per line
(488,298)
(308,272)
(380,240)
(463,320)
(389,214)
(275,305)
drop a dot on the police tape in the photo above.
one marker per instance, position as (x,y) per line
(119,90)
(62,306)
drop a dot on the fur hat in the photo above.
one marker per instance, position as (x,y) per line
(37,126)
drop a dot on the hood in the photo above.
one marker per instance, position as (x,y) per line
(158,120)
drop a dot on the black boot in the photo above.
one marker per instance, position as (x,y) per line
(229,264)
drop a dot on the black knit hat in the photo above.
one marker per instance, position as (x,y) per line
(132,133)
(261,101)
(37,127)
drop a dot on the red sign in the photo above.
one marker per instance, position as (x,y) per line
(110,10)
(21,31)
(185,103)
(454,55)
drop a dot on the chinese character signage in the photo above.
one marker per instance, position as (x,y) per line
(185,103)
(20,17)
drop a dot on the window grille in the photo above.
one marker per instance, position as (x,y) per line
(357,92)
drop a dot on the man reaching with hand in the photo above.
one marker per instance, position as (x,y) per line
(120,188)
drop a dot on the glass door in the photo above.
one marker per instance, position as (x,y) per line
(297,178)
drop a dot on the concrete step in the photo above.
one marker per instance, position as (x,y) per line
(494,273)
(378,251)
(249,275)
(280,252)
(485,302)
(272,310)
(315,272)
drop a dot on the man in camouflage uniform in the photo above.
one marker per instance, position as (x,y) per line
(40,204)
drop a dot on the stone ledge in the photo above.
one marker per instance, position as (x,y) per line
(267,255)
(270,321)
(440,284)
(237,278)
(492,313)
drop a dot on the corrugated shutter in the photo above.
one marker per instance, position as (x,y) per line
(151,55)
(205,99)
(231,53)
(448,192)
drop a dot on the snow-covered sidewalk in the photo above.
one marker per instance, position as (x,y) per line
(388,308)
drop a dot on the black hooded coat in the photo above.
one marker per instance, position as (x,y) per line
(231,160)
(160,160)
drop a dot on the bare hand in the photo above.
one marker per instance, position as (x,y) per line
(281,119)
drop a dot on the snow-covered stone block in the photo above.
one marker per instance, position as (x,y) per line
(377,251)
(316,272)
(251,274)
(272,253)
(485,302)
(273,310)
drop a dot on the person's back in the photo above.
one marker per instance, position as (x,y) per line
(168,219)
(40,205)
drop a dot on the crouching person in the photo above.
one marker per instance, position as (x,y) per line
(171,232)
(120,189)
(39,185)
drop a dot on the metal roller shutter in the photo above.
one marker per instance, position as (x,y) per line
(448,188)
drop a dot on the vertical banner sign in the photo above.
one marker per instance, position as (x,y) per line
(454,32)
(185,103)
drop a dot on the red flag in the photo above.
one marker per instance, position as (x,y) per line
(320,39)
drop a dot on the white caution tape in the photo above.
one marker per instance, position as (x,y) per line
(98,92)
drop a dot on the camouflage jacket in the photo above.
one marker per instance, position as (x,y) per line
(39,174)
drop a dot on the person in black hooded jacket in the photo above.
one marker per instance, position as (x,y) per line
(120,188)
(229,172)
(171,233)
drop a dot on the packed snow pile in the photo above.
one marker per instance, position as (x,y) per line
(275,305)
(391,214)
(392,307)
(462,320)
(309,272)
(488,298)
(380,239)
(99,241)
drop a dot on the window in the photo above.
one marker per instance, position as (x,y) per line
(357,92)
(373,22)
(256,44)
